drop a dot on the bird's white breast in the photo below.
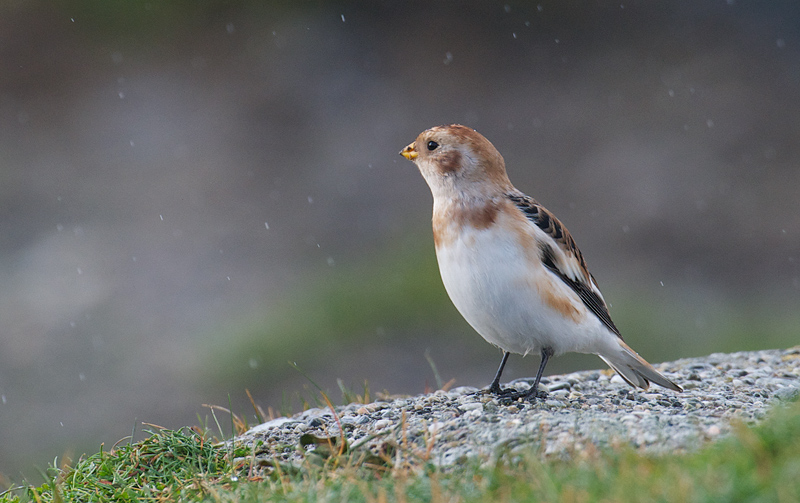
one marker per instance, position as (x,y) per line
(499,285)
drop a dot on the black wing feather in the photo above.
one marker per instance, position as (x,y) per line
(546,221)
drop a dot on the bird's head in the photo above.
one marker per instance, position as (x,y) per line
(457,160)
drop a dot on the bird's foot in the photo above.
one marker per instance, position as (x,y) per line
(508,396)
(494,389)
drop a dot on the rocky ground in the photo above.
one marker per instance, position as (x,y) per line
(582,411)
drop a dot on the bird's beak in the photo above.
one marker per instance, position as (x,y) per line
(410,152)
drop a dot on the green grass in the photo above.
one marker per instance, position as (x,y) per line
(755,464)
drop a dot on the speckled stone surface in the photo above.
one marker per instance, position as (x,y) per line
(583,410)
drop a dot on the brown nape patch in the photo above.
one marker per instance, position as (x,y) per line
(449,162)
(496,173)
(447,224)
(493,163)
(560,304)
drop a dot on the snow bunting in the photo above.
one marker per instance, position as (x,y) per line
(510,267)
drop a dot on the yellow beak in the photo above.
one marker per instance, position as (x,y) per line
(410,152)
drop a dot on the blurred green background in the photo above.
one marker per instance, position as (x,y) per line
(194,193)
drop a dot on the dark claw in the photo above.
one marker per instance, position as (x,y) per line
(508,396)
(487,391)
(494,389)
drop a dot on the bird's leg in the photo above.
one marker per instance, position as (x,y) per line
(495,386)
(533,392)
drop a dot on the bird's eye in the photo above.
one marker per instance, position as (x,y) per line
(432,145)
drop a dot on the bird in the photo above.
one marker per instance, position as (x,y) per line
(510,267)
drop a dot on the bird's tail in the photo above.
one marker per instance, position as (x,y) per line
(635,370)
